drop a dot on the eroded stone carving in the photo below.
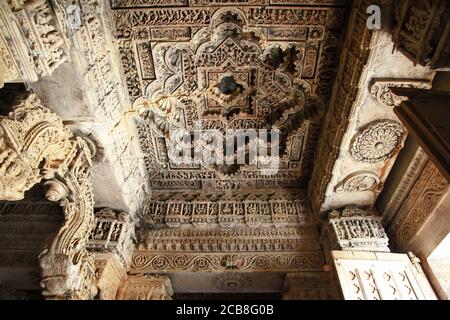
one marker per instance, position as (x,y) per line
(378,141)
(359,181)
(33,38)
(204,210)
(112,242)
(35,145)
(380,89)
(354,229)
(146,287)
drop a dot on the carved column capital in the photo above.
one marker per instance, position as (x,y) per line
(112,244)
(146,287)
(354,229)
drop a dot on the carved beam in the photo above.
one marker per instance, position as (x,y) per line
(32,44)
(425,113)
(422,31)
(354,229)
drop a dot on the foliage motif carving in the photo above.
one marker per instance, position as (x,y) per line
(209,210)
(354,229)
(35,145)
(359,181)
(422,200)
(151,262)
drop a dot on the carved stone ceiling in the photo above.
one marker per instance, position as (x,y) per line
(218,65)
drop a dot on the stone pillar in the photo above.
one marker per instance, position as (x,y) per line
(356,248)
(146,287)
(112,243)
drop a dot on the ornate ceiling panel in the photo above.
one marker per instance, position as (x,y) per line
(221,65)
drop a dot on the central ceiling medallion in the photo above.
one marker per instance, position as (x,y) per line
(216,69)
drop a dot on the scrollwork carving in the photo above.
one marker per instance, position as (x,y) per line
(35,145)
(359,181)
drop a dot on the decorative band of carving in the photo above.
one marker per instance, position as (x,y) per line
(151,262)
(229,240)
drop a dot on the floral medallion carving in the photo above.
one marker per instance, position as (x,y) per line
(359,181)
(232,282)
(378,141)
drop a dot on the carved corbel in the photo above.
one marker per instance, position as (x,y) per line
(35,146)
(68,270)
(146,287)
(112,243)
(354,229)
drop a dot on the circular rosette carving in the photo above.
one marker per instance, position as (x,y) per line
(261,263)
(201,264)
(232,282)
(378,141)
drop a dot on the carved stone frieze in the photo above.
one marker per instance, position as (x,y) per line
(31,42)
(378,141)
(35,145)
(146,287)
(228,240)
(203,210)
(354,58)
(97,68)
(157,262)
(423,199)
(354,229)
